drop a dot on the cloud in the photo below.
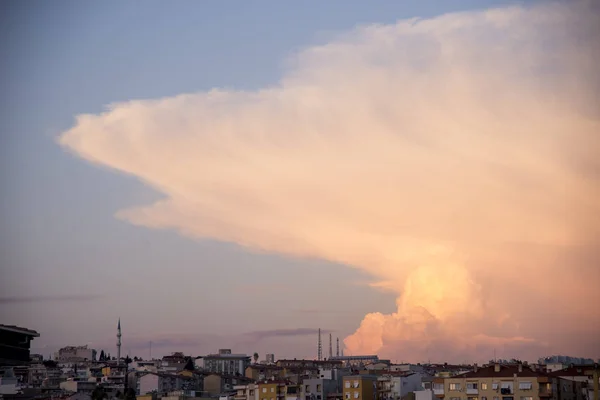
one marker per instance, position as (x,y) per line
(36,299)
(454,159)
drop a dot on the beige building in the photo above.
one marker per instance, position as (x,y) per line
(360,387)
(508,382)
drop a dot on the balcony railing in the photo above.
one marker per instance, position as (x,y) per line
(472,391)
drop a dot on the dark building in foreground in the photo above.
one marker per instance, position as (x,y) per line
(14,345)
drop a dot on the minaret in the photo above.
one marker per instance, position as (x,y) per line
(319,348)
(119,342)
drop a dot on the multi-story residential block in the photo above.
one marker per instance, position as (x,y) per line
(14,345)
(506,382)
(226,363)
(270,358)
(319,388)
(75,354)
(246,392)
(159,383)
(215,384)
(394,387)
(78,386)
(360,387)
(262,371)
(435,384)
(278,390)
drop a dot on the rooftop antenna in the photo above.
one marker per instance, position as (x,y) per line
(330,351)
(337,347)
(319,347)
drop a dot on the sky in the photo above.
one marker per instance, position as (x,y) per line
(418,179)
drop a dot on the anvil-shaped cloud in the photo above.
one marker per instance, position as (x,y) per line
(454,158)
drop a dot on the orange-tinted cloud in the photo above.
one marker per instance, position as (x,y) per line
(455,159)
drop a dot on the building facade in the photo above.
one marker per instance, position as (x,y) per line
(360,387)
(226,363)
(15,344)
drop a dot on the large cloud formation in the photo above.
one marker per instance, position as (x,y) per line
(456,159)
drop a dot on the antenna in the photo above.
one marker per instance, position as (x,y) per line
(330,351)
(337,347)
(319,348)
(151,350)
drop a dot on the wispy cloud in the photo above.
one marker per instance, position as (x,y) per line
(261,335)
(454,159)
(37,299)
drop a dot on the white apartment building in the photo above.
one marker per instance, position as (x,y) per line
(226,363)
(75,354)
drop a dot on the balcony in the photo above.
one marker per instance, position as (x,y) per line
(545,392)
(472,390)
(438,391)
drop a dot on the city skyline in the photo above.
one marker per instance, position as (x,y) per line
(417,180)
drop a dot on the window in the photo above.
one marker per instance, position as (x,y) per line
(454,398)
(526,398)
(356,395)
(455,386)
(438,386)
(496,398)
(472,386)
(264,390)
(355,384)
(494,387)
(484,386)
(307,388)
(484,398)
(347,384)
(524,385)
(319,388)
(471,398)
(251,392)
(272,390)
(347,395)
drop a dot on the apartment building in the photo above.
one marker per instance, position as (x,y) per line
(278,390)
(226,363)
(396,386)
(246,392)
(505,382)
(360,387)
(318,388)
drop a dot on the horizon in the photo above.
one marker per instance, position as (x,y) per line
(417,179)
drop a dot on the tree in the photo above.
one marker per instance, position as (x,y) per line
(255,358)
(130,394)
(99,393)
(189,364)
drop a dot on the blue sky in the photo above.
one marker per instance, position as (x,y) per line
(59,236)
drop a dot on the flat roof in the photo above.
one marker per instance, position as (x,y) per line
(18,329)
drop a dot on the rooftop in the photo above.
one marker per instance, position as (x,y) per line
(504,372)
(18,329)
